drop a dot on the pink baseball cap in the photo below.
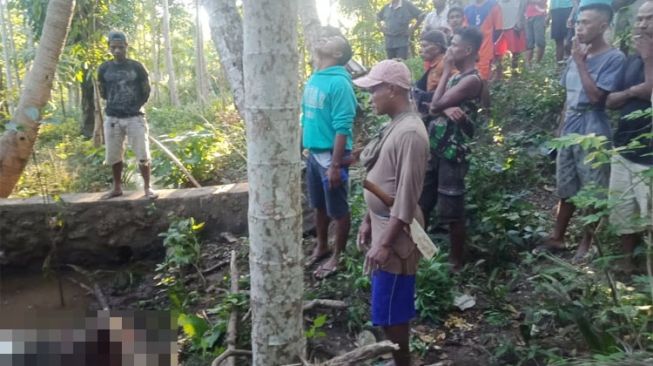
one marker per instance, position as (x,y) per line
(387,71)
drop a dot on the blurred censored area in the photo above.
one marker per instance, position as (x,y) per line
(100,338)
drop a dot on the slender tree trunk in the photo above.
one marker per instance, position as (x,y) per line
(29,46)
(227,35)
(6,54)
(98,130)
(201,75)
(16,143)
(170,66)
(156,73)
(273,171)
(12,47)
(311,25)
(88,105)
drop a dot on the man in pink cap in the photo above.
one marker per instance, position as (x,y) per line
(397,168)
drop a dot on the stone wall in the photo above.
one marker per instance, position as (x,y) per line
(96,231)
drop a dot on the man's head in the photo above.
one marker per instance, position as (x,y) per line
(644,20)
(593,20)
(117,42)
(432,44)
(389,82)
(332,49)
(439,4)
(455,18)
(465,44)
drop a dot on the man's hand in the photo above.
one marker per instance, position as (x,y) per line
(333,175)
(376,257)
(644,46)
(579,51)
(455,114)
(364,235)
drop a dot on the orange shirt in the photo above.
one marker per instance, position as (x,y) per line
(488,19)
(435,69)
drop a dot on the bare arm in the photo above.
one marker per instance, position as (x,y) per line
(468,86)
(618,99)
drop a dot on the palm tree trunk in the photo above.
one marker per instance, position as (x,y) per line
(273,171)
(17,142)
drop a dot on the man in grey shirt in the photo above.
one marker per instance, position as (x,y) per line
(394,20)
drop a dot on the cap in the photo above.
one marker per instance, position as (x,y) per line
(387,71)
(116,36)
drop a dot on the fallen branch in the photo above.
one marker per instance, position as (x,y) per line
(336,304)
(358,355)
(215,267)
(176,161)
(95,289)
(232,335)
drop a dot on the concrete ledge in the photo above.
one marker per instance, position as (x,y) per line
(96,231)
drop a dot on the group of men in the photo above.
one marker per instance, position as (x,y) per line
(419,159)
(508,26)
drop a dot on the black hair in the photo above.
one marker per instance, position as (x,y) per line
(471,36)
(435,37)
(347,52)
(604,9)
(116,36)
(454,10)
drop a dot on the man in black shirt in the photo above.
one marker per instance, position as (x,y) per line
(124,84)
(628,186)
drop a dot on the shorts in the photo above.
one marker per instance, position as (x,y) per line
(444,187)
(334,201)
(559,19)
(397,52)
(512,41)
(572,173)
(393,298)
(535,29)
(631,193)
(135,130)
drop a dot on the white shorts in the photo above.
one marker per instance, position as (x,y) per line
(631,193)
(135,129)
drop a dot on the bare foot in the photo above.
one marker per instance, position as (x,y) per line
(582,253)
(111,194)
(318,255)
(151,194)
(327,268)
(550,245)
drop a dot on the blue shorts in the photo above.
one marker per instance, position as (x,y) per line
(319,194)
(393,298)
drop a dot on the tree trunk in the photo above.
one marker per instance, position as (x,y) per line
(12,47)
(155,77)
(227,35)
(16,143)
(312,27)
(201,75)
(6,55)
(98,125)
(88,105)
(170,66)
(273,171)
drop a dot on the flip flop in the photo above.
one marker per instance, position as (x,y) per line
(321,273)
(313,260)
(151,195)
(110,195)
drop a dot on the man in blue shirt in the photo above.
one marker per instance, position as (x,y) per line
(591,74)
(328,111)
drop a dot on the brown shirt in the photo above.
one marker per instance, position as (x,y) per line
(399,172)
(436,68)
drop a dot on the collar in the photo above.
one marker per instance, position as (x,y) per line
(399,4)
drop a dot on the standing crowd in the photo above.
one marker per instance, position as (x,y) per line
(418,162)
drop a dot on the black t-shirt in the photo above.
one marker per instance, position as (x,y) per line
(629,130)
(125,87)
